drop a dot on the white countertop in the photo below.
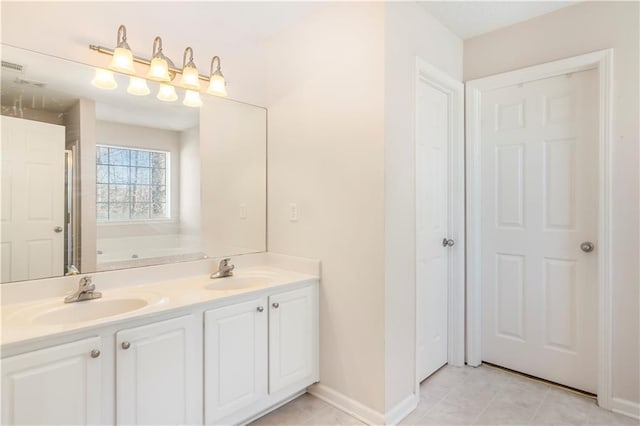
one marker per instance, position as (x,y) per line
(27,320)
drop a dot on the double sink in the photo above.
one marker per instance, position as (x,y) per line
(119,302)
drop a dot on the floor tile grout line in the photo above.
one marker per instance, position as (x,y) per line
(484,409)
(535,414)
(442,398)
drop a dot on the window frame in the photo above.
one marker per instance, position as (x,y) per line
(167,185)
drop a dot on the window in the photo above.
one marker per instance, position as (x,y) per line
(131,184)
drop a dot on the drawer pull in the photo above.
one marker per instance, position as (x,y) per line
(259,309)
(95,353)
(276,305)
(126,345)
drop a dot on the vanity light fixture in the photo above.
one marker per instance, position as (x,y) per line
(104,79)
(122,60)
(138,87)
(190,75)
(217,84)
(192,99)
(159,68)
(167,93)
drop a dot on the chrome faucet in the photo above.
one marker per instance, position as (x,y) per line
(224,269)
(85,291)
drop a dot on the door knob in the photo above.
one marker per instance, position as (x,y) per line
(57,229)
(447,242)
(259,309)
(126,345)
(95,353)
(276,305)
(587,247)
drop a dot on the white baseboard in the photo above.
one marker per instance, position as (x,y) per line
(628,408)
(361,411)
(346,404)
(402,409)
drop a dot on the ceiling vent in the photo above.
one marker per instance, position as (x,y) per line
(10,66)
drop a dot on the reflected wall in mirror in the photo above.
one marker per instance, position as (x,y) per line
(95,180)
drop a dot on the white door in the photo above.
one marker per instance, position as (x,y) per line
(235,365)
(159,374)
(61,385)
(432,229)
(292,338)
(539,204)
(33,155)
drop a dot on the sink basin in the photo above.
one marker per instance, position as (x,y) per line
(55,312)
(89,310)
(238,282)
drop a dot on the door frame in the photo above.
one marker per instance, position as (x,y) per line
(454,90)
(602,62)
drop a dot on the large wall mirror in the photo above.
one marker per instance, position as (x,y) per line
(96,179)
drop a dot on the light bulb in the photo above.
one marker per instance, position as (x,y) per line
(192,99)
(190,78)
(104,79)
(159,70)
(122,61)
(167,93)
(138,87)
(217,85)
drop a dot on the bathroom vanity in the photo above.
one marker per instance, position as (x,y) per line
(185,350)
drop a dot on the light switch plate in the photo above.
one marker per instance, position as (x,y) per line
(293,212)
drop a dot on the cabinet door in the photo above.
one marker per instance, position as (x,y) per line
(235,358)
(158,373)
(293,333)
(57,385)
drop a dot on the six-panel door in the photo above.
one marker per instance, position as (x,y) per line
(235,358)
(58,385)
(159,374)
(539,203)
(292,338)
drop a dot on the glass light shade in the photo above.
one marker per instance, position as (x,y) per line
(167,93)
(104,79)
(159,70)
(138,86)
(217,85)
(122,61)
(192,99)
(190,78)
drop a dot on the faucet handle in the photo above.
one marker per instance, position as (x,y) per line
(224,262)
(86,284)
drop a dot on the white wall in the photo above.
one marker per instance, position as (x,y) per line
(190,218)
(575,30)
(410,31)
(326,154)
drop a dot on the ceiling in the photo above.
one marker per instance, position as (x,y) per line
(469,19)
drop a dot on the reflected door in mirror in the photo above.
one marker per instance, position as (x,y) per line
(33,155)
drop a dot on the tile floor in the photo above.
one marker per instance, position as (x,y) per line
(468,396)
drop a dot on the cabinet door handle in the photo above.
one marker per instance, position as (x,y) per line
(275,305)
(95,353)
(259,309)
(125,345)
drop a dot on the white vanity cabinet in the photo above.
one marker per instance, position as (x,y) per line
(223,361)
(292,338)
(259,352)
(58,385)
(159,373)
(235,347)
